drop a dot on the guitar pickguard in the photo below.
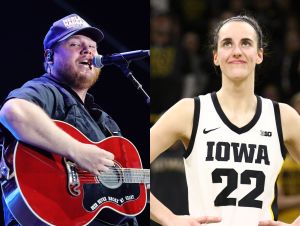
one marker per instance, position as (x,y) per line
(94,195)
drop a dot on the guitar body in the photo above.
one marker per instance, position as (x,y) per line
(40,192)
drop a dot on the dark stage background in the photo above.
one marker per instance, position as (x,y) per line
(126,27)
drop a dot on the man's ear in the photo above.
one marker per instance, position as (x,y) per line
(48,56)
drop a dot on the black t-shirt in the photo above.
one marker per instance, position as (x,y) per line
(60,102)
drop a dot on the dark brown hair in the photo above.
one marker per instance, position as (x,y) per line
(241,18)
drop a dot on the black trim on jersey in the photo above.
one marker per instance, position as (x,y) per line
(275,204)
(283,153)
(195,126)
(233,127)
(279,129)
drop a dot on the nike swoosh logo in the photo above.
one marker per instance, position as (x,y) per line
(207,131)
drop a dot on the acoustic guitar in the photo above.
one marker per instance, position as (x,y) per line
(43,188)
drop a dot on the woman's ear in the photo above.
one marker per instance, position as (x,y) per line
(216,59)
(260,56)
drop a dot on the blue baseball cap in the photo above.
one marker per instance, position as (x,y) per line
(68,26)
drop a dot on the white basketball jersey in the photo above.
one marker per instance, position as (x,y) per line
(231,172)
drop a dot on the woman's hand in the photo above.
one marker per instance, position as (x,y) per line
(185,220)
(279,223)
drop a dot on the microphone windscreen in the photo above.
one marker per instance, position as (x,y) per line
(97,61)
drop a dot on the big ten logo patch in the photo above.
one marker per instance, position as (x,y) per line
(265,133)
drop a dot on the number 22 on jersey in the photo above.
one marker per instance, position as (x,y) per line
(250,199)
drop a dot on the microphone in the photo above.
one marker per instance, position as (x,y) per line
(119,58)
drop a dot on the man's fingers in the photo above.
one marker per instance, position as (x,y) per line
(208,219)
(108,154)
(108,162)
(103,169)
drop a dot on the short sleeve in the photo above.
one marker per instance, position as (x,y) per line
(37,93)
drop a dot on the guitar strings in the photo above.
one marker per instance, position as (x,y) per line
(109,177)
(110,180)
(124,174)
(117,171)
(113,176)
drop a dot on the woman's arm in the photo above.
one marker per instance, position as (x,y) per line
(175,124)
(290,121)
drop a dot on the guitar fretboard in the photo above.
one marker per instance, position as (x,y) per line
(136,176)
(124,175)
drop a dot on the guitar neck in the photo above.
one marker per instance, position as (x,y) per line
(136,175)
(115,176)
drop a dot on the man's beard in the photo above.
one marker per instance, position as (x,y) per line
(77,80)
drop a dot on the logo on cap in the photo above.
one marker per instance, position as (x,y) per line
(75,22)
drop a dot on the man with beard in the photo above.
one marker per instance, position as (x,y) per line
(61,94)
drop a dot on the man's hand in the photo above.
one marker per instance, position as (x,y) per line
(92,158)
(186,220)
(279,223)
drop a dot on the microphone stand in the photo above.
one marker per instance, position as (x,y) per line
(124,67)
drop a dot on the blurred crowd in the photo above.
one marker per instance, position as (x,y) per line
(182,66)
(181,60)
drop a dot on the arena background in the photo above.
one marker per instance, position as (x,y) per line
(181,66)
(126,27)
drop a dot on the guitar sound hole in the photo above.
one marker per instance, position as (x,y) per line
(112,178)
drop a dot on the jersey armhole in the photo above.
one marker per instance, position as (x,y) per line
(195,127)
(279,129)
